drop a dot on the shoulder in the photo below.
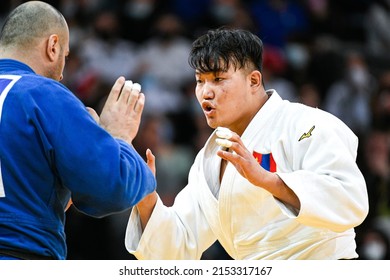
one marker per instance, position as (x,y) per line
(34,91)
(38,87)
(37,83)
(300,119)
(301,113)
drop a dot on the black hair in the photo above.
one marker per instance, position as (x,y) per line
(216,50)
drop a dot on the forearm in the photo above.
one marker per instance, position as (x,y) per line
(276,186)
(145,208)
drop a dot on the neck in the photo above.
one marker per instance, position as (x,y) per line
(262,100)
(25,57)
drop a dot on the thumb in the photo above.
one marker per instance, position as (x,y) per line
(151,161)
(93,113)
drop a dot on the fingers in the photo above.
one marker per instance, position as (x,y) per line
(127,95)
(124,91)
(224,132)
(224,142)
(224,135)
(131,97)
(149,155)
(140,104)
(115,91)
(230,140)
(136,87)
(121,114)
(134,96)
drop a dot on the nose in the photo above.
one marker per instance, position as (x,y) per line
(207,91)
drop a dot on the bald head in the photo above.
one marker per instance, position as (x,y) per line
(29,22)
(36,34)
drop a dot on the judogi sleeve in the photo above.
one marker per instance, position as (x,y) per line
(324,175)
(104,175)
(179,232)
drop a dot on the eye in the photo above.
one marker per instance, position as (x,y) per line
(199,81)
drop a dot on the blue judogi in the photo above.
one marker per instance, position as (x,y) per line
(51,149)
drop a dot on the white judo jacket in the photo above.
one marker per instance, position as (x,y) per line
(312,151)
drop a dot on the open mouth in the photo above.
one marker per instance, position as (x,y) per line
(207,106)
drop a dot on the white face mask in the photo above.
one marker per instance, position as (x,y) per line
(139,10)
(374,250)
(223,12)
(358,76)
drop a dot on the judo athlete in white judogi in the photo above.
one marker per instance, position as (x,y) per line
(288,187)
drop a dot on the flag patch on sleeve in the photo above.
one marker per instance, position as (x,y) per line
(266,161)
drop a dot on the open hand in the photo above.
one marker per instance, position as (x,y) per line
(238,155)
(121,114)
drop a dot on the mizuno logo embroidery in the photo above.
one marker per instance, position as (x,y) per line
(307,134)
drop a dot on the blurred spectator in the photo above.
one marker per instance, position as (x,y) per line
(305,47)
(80,11)
(377,24)
(373,234)
(279,21)
(381,103)
(173,161)
(163,69)
(80,79)
(231,13)
(375,165)
(106,56)
(322,21)
(349,98)
(309,95)
(190,12)
(325,65)
(347,18)
(137,18)
(374,245)
(274,67)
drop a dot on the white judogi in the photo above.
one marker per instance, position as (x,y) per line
(247,220)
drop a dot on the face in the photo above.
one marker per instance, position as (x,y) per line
(225,98)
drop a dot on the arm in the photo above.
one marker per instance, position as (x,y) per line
(145,206)
(102,170)
(326,178)
(178,232)
(321,179)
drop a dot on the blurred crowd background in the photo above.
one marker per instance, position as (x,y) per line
(330,54)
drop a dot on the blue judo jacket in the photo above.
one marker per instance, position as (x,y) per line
(51,149)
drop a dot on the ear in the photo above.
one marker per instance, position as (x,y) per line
(256,79)
(53,47)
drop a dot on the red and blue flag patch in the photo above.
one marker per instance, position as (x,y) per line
(266,161)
